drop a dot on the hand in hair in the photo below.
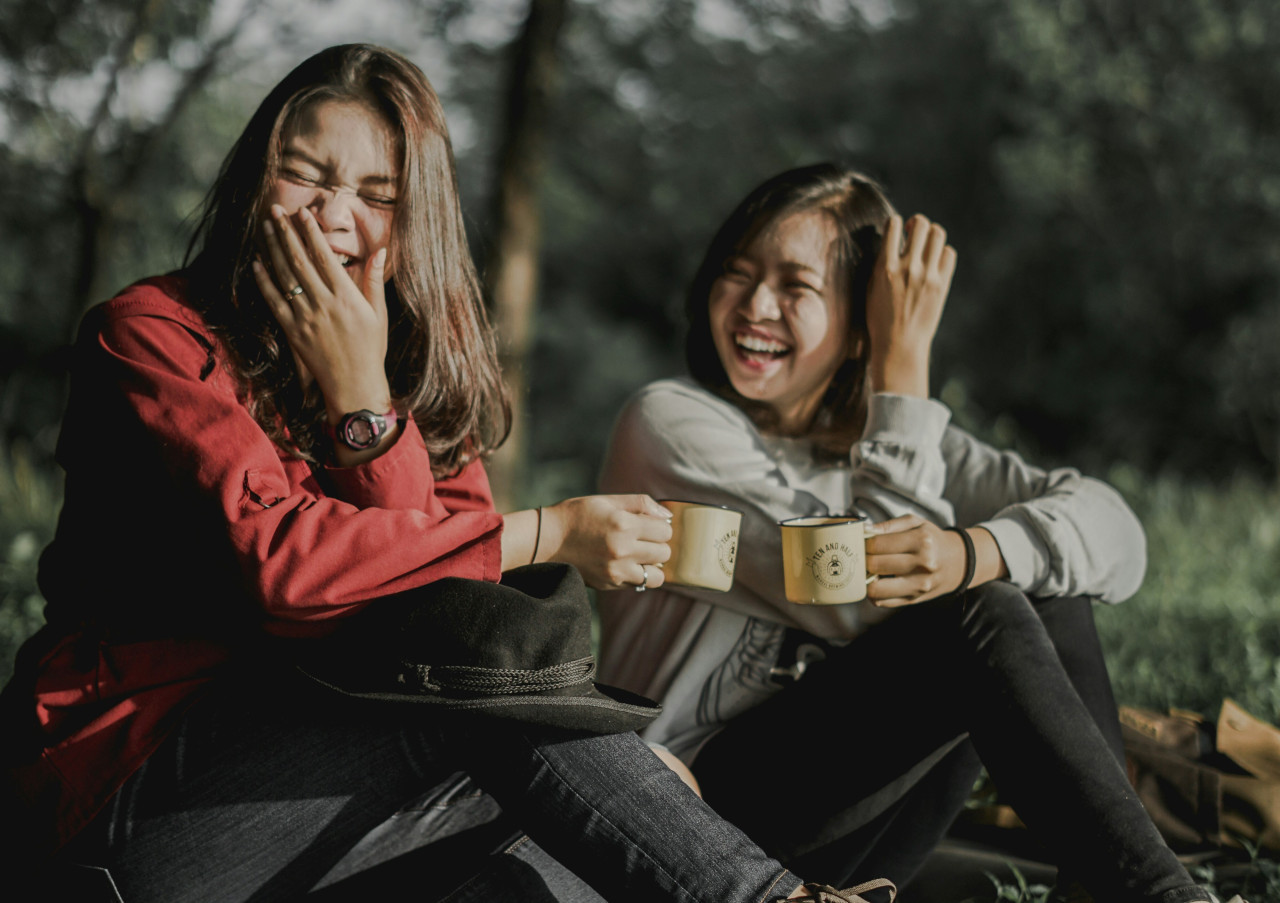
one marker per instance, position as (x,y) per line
(908,290)
(915,560)
(337,329)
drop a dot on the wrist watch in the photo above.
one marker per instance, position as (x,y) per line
(362,430)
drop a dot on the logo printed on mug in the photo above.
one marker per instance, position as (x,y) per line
(727,552)
(832,565)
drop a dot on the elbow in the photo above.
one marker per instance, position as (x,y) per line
(1130,568)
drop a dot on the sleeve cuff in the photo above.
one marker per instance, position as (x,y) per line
(924,420)
(399,478)
(1024,553)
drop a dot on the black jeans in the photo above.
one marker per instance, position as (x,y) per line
(274,789)
(875,750)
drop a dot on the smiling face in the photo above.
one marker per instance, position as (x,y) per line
(779,317)
(340,160)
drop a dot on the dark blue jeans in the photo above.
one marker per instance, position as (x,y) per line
(880,745)
(274,790)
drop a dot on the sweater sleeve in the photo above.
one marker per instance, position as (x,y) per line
(1060,533)
(304,555)
(898,466)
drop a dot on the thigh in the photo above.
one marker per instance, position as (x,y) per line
(266,787)
(845,742)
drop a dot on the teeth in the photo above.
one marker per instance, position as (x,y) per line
(344,259)
(753,343)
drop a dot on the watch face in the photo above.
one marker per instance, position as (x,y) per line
(361,430)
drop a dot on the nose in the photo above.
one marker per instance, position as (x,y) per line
(761,304)
(332,208)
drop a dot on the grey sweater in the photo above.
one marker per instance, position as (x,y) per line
(706,656)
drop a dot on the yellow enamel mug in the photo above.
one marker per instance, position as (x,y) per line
(704,544)
(824,559)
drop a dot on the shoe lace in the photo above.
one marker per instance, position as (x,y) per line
(825,893)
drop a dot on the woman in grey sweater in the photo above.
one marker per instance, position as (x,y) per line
(811,323)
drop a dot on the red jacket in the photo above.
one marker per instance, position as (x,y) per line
(186,532)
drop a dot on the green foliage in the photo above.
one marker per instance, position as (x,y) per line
(1255,878)
(1206,623)
(1019,890)
(29,502)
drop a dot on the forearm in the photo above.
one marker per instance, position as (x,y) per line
(522,534)
(989,563)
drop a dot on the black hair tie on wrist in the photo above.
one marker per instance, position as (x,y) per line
(970,559)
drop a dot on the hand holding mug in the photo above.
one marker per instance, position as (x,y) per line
(614,541)
(914,560)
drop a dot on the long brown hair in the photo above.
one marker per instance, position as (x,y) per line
(442,362)
(859,209)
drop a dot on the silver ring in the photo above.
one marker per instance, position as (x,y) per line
(295,291)
(644,581)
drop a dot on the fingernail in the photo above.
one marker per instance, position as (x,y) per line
(380,258)
(305,214)
(277,211)
(267,228)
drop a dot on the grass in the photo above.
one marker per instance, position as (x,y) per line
(1206,623)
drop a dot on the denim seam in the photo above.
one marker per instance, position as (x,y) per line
(521,841)
(768,893)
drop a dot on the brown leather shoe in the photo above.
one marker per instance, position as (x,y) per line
(825,893)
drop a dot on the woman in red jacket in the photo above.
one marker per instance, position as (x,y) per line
(283,434)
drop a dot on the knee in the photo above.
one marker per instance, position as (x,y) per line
(997,607)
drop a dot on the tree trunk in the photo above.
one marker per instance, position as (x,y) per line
(512,270)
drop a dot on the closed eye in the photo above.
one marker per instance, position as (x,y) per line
(378,200)
(301,178)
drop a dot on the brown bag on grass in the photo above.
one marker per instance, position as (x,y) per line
(1206,785)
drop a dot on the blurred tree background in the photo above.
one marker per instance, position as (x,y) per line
(1107,169)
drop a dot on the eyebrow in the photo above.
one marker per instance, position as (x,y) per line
(307,158)
(796,265)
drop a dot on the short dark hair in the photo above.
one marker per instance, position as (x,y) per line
(442,362)
(859,209)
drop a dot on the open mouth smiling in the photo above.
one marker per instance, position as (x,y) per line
(757,347)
